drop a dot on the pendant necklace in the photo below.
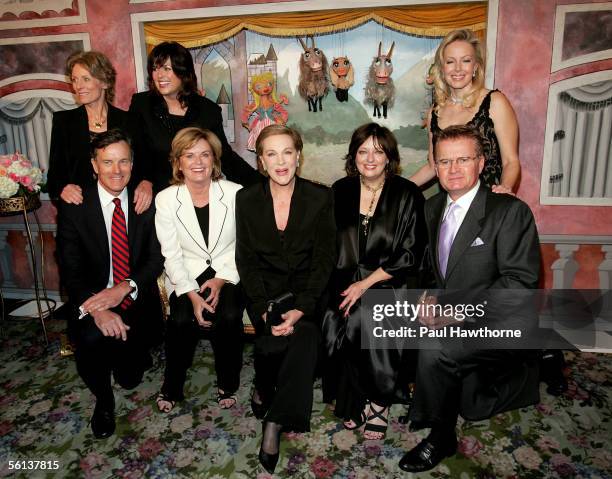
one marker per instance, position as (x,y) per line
(456,101)
(369,214)
(100,121)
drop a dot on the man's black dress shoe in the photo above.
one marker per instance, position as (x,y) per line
(427,454)
(103,421)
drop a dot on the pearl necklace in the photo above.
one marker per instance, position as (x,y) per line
(369,214)
(456,101)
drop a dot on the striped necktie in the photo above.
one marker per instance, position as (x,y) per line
(120,250)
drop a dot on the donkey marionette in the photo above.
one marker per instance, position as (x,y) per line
(379,89)
(313,83)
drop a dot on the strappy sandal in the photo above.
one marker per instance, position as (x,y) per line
(361,422)
(222,396)
(379,428)
(161,398)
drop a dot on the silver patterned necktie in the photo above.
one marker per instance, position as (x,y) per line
(448,230)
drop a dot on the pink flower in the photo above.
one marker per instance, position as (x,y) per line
(545,409)
(562,465)
(25,163)
(93,465)
(25,180)
(5,427)
(139,414)
(14,177)
(150,448)
(5,161)
(527,457)
(323,467)
(469,446)
(547,443)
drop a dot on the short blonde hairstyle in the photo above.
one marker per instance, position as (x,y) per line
(99,66)
(441,88)
(185,139)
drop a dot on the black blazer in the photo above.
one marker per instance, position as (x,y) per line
(509,256)
(396,239)
(83,253)
(149,114)
(302,263)
(70,153)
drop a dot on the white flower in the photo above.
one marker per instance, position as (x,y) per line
(18,169)
(7,187)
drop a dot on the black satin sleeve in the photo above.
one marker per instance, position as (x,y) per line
(409,236)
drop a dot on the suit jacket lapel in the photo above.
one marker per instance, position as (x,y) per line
(434,232)
(218,213)
(96,225)
(297,209)
(469,229)
(133,225)
(185,213)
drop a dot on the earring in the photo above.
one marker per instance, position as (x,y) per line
(298,163)
(474,74)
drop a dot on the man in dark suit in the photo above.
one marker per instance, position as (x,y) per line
(109,258)
(479,242)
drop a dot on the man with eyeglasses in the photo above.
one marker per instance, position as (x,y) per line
(479,241)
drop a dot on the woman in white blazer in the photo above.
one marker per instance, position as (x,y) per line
(195,223)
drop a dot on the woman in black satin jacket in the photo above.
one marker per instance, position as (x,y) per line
(381,238)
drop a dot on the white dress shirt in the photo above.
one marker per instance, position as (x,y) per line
(108,207)
(463,205)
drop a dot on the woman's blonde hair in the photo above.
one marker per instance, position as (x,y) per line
(99,66)
(441,89)
(185,139)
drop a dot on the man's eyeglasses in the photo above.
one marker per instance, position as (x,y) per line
(462,161)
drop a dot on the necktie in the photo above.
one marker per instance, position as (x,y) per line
(448,230)
(120,251)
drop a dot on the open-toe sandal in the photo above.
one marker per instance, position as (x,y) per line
(377,428)
(222,396)
(162,398)
(356,424)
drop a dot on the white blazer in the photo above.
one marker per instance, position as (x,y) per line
(182,243)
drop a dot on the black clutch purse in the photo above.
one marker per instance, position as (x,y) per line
(276,307)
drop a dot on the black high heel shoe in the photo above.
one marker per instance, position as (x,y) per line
(267,460)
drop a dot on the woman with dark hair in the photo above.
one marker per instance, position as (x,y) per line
(173,103)
(285,237)
(460,97)
(196,229)
(381,239)
(93,81)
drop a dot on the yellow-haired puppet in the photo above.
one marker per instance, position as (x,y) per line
(342,77)
(266,109)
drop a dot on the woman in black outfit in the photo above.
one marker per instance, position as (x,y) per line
(93,80)
(285,243)
(381,242)
(173,103)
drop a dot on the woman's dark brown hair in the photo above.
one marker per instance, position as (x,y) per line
(182,65)
(383,139)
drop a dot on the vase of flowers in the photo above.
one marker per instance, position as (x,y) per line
(20,184)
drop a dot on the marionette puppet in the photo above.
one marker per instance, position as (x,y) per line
(266,109)
(379,89)
(313,83)
(342,77)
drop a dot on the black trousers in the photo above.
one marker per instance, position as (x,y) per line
(284,378)
(98,356)
(226,337)
(449,381)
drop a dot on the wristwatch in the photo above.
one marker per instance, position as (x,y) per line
(132,283)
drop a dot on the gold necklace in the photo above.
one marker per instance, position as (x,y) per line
(369,214)
(100,121)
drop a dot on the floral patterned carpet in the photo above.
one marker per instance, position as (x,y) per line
(45,411)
